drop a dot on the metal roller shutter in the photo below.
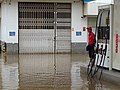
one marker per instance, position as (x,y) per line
(63,31)
(36,27)
(44,27)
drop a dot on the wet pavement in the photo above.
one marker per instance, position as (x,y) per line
(48,72)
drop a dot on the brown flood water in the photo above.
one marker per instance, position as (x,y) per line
(48,72)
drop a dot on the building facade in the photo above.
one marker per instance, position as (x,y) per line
(39,26)
(45,26)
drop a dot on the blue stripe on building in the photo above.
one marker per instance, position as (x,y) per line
(87,0)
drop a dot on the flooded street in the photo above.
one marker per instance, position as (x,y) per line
(48,72)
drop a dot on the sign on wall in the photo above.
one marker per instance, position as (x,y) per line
(78,33)
(116,43)
(11,33)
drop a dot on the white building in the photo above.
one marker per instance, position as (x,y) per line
(46,26)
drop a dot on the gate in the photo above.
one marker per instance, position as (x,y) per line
(44,27)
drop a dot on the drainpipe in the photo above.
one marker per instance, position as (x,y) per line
(83,4)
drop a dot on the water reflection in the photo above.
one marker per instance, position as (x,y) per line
(9,72)
(0,74)
(45,72)
(48,72)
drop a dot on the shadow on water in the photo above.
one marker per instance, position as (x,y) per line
(47,72)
